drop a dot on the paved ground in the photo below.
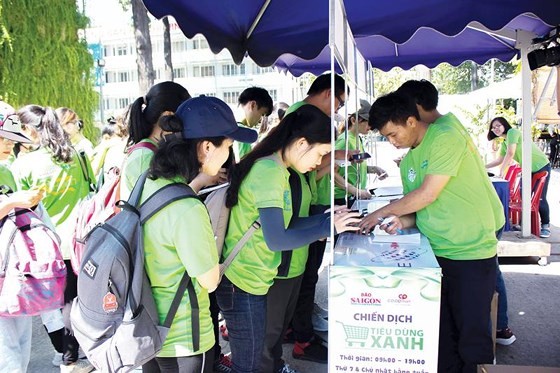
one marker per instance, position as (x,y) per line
(533,295)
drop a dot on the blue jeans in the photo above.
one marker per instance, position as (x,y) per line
(544,210)
(502,300)
(245,316)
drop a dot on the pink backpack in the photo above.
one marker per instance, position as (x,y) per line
(32,271)
(99,208)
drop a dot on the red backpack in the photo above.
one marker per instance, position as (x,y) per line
(99,208)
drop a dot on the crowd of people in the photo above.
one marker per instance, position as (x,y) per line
(279,175)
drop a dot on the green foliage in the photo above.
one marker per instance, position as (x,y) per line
(42,60)
(506,112)
(386,82)
(477,121)
(458,80)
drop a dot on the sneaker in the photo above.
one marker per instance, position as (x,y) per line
(57,359)
(505,337)
(321,311)
(286,369)
(319,324)
(223,365)
(545,231)
(224,332)
(311,351)
(80,366)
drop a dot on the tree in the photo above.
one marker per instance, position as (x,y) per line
(42,59)
(168,66)
(141,24)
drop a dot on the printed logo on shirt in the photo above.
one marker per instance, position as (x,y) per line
(411,175)
(424,164)
(287,200)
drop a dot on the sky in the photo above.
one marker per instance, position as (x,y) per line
(104,12)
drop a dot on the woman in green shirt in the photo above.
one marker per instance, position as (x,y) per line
(180,236)
(53,165)
(143,127)
(260,189)
(510,150)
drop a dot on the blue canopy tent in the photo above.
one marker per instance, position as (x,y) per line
(428,47)
(267,29)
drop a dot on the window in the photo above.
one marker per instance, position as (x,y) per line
(180,72)
(178,46)
(274,94)
(231,97)
(229,69)
(262,70)
(121,50)
(242,69)
(123,102)
(209,94)
(123,76)
(200,43)
(203,71)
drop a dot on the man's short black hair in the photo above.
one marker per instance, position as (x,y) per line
(394,107)
(323,82)
(422,91)
(259,95)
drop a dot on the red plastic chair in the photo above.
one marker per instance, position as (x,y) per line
(537,185)
(513,181)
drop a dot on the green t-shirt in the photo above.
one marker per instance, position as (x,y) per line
(294,107)
(241,148)
(179,237)
(266,185)
(6,177)
(451,120)
(538,158)
(299,255)
(460,223)
(136,164)
(354,168)
(65,188)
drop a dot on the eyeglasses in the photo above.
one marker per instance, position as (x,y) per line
(496,126)
(341,103)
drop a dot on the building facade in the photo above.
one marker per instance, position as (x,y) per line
(194,66)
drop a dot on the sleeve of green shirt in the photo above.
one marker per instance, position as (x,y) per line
(446,152)
(267,185)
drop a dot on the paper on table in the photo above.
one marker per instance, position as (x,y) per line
(388,191)
(380,235)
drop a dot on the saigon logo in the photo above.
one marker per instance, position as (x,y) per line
(365,299)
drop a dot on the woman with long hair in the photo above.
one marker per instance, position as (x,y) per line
(260,190)
(73,126)
(144,128)
(50,163)
(510,151)
(180,236)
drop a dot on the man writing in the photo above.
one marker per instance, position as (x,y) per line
(445,198)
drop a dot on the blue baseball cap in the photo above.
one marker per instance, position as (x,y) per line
(207,116)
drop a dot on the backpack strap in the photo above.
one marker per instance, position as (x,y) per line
(186,284)
(162,198)
(83,165)
(142,145)
(246,236)
(156,202)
